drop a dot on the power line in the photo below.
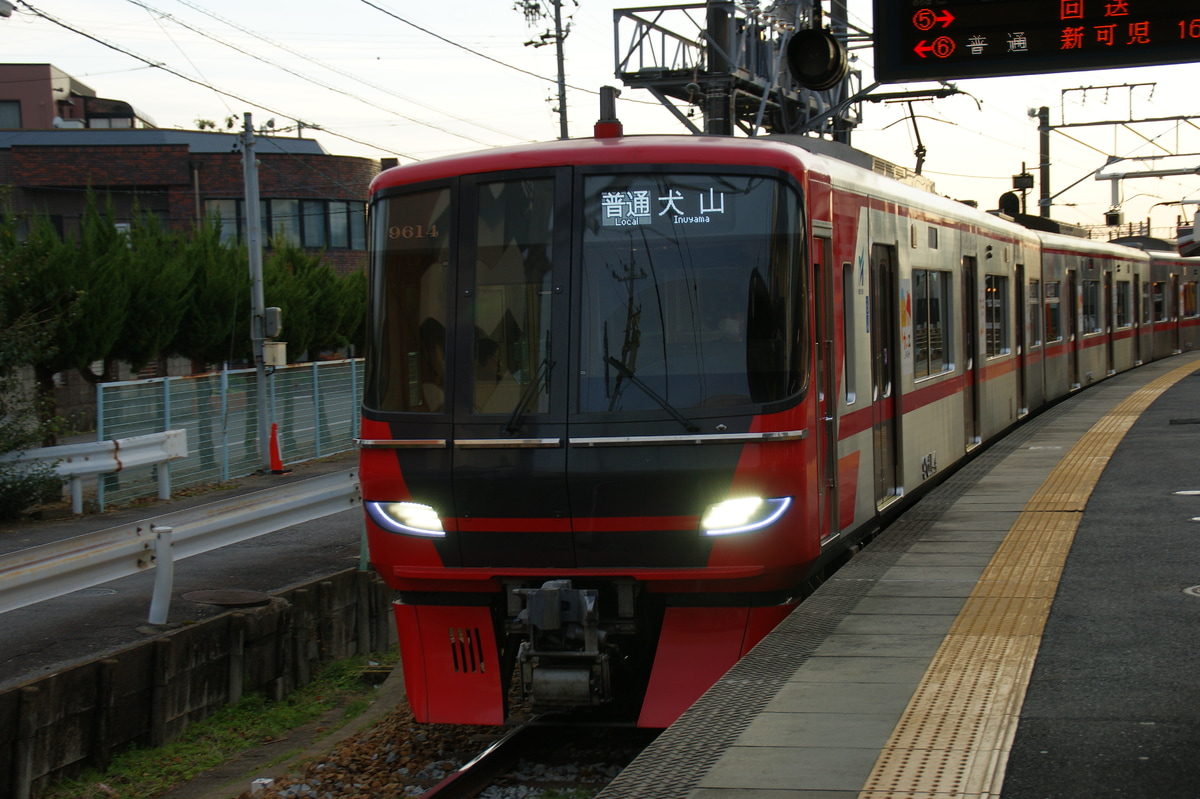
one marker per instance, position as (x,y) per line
(331,68)
(463,47)
(190,79)
(292,72)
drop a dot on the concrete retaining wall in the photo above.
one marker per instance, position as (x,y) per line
(147,694)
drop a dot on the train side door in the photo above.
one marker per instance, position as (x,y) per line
(510,342)
(970,350)
(824,276)
(1138,320)
(1175,316)
(1073,337)
(1110,355)
(884,386)
(1022,344)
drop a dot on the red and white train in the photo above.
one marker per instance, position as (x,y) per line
(628,397)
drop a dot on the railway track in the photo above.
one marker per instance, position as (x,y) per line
(399,757)
(545,755)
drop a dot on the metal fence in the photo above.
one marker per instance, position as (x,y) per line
(314,407)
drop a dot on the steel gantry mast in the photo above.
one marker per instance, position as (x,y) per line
(774,68)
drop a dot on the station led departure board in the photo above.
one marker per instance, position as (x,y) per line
(943,39)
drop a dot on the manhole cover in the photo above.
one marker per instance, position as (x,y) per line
(229,598)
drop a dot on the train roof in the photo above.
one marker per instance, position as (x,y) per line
(842,164)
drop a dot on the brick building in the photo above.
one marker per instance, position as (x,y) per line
(58,140)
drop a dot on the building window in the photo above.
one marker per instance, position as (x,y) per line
(315,224)
(995,311)
(1092,321)
(930,327)
(281,221)
(10,114)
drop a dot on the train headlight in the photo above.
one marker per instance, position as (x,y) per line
(409,518)
(743,515)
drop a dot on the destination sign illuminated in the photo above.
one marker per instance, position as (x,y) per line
(942,39)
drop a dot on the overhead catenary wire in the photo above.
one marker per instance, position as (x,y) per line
(324,65)
(190,79)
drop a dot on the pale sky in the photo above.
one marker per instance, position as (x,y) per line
(394,78)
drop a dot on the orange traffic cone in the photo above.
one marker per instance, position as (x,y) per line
(276,461)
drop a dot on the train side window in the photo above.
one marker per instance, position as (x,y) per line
(1124,303)
(1092,312)
(1053,311)
(848,328)
(931,292)
(996,315)
(1035,318)
(1160,301)
(1189,299)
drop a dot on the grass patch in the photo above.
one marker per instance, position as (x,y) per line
(251,722)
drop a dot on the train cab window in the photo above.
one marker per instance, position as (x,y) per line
(931,306)
(514,223)
(1054,330)
(996,334)
(691,292)
(1093,321)
(409,274)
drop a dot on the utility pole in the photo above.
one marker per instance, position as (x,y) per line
(532,9)
(562,77)
(1043,115)
(257,299)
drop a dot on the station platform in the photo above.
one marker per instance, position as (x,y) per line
(1030,628)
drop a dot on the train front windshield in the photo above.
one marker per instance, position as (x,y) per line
(690,289)
(685,294)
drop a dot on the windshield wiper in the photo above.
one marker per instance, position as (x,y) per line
(666,406)
(543,374)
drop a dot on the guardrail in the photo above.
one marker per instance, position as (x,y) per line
(39,573)
(76,461)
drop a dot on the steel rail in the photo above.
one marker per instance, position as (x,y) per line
(471,778)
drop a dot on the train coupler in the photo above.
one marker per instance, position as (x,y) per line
(564,661)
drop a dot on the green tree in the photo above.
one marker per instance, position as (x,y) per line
(27,327)
(352,310)
(321,310)
(96,266)
(160,280)
(215,323)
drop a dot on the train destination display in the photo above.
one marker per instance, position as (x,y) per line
(937,40)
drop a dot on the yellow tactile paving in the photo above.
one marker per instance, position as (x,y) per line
(955,735)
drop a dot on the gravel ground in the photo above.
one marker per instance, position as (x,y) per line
(395,756)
